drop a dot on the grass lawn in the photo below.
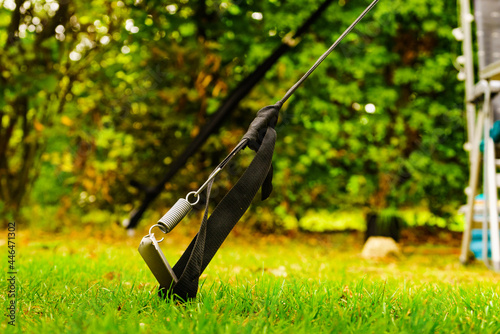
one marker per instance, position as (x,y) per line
(84,283)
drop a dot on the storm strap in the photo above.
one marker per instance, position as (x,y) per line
(182,280)
(261,138)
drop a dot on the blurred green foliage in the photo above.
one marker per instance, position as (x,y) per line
(97,93)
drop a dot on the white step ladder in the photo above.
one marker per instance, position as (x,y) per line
(488,27)
(489,217)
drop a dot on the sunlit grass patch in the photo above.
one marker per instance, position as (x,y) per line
(255,284)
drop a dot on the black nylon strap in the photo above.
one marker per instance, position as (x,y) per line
(266,117)
(214,230)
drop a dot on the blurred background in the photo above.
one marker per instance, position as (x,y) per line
(96,95)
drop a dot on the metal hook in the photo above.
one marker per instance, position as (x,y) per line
(151,235)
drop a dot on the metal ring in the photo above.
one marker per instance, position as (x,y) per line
(151,234)
(194,193)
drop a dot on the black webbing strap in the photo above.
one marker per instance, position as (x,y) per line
(260,137)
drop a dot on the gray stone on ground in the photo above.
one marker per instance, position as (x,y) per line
(380,247)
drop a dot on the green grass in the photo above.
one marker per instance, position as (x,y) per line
(256,284)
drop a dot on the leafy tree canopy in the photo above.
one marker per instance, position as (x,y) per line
(98,93)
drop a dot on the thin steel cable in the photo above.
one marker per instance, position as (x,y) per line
(320,60)
(289,93)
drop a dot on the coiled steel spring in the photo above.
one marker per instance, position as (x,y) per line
(176,213)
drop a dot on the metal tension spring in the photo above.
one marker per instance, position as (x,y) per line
(182,207)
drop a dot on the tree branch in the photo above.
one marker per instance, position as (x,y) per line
(14,25)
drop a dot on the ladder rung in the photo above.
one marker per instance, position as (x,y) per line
(497,162)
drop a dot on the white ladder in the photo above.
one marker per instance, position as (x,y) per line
(490,219)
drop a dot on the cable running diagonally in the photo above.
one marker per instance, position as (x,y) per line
(320,59)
